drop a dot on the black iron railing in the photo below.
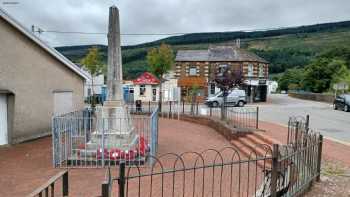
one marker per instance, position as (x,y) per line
(280,170)
(48,188)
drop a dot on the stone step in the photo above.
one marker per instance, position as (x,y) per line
(252,150)
(265,138)
(260,149)
(257,139)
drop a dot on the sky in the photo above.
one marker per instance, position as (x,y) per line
(167,16)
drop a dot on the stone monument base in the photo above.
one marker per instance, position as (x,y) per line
(115,124)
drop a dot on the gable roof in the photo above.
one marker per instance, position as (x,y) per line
(42,44)
(192,55)
(146,78)
(218,53)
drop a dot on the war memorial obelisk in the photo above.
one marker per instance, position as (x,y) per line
(113,118)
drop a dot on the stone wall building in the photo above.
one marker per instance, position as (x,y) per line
(36,82)
(198,68)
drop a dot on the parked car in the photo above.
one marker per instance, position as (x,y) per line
(236,97)
(342,102)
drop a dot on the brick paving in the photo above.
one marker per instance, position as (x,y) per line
(23,167)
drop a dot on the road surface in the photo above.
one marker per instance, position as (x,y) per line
(331,123)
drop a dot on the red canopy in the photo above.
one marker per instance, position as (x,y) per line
(146,78)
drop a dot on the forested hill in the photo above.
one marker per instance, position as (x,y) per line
(284,48)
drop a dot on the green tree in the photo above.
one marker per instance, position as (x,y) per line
(92,62)
(160,61)
(323,72)
(342,74)
(339,53)
(194,92)
(293,76)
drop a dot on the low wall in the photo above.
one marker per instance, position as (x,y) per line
(221,127)
(328,98)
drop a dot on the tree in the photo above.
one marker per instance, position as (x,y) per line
(93,63)
(342,74)
(159,61)
(194,92)
(323,72)
(291,76)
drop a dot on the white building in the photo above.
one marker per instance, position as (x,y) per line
(96,87)
(272,87)
(146,88)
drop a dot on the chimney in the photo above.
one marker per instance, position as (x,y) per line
(238,43)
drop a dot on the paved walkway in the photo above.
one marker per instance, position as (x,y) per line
(24,167)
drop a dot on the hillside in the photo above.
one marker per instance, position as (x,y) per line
(284,48)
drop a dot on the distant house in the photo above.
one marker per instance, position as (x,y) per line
(36,82)
(146,87)
(272,86)
(198,68)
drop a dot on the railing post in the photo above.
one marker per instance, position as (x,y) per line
(65,183)
(274,170)
(319,158)
(149,106)
(296,133)
(183,106)
(121,180)
(106,185)
(52,189)
(257,117)
(210,111)
(197,109)
(170,109)
(307,123)
(223,111)
(105,189)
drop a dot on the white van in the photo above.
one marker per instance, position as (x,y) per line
(236,97)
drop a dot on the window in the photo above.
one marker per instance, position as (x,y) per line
(193,71)
(261,70)
(250,70)
(222,69)
(142,90)
(89,92)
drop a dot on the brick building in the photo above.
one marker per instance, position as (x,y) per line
(198,68)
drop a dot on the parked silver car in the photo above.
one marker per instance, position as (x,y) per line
(236,97)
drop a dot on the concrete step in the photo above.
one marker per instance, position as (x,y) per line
(247,152)
(260,149)
(266,139)
(257,139)
(243,149)
(256,143)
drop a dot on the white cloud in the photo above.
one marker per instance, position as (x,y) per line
(159,16)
